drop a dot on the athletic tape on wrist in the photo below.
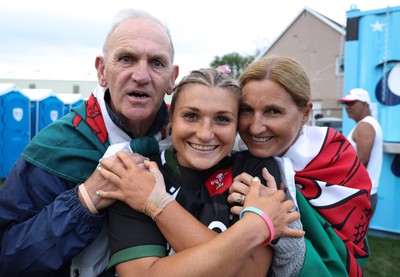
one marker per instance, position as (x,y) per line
(87,199)
(267,220)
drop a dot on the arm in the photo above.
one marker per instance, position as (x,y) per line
(136,187)
(364,136)
(289,252)
(181,230)
(41,212)
(96,182)
(230,248)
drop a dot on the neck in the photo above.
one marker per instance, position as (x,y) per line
(138,128)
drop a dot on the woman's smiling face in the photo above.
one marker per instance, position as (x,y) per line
(270,121)
(204,125)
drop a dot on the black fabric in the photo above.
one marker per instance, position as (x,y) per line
(245,162)
(128,228)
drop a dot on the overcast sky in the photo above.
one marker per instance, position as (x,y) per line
(60,39)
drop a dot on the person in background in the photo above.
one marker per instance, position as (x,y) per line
(51,221)
(366,136)
(321,170)
(198,171)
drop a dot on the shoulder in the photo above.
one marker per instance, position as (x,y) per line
(364,128)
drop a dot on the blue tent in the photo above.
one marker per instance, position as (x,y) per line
(14,126)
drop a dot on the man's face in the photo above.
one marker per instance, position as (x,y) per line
(138,71)
(354,109)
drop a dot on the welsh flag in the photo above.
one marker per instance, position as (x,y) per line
(333,191)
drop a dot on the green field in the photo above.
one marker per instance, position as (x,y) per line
(384,257)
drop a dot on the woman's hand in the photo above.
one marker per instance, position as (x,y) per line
(270,200)
(132,182)
(142,188)
(240,188)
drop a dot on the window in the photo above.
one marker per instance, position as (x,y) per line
(75,89)
(339,68)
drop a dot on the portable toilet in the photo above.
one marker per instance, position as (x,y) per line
(14,126)
(69,100)
(372,62)
(45,107)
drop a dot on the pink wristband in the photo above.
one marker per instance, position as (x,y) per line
(87,200)
(267,220)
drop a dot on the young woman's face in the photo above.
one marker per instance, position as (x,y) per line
(269,121)
(204,125)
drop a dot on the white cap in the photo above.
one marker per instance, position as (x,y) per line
(356,94)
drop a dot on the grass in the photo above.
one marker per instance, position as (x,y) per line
(384,255)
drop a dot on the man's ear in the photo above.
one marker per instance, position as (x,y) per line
(174,76)
(100,67)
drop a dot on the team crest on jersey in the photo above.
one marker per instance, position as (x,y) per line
(220,181)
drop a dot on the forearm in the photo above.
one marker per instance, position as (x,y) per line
(183,231)
(223,255)
(40,238)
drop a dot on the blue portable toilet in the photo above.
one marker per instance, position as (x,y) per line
(45,107)
(14,126)
(70,100)
(372,62)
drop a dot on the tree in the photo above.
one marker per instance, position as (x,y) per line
(235,61)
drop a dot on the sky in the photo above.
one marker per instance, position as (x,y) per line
(55,40)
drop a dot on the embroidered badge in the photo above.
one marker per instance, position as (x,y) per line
(220,181)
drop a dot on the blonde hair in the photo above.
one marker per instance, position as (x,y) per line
(209,77)
(285,71)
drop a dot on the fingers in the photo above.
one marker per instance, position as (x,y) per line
(106,174)
(126,159)
(241,184)
(236,210)
(109,195)
(118,165)
(244,178)
(255,186)
(137,158)
(236,198)
(291,232)
(270,180)
(151,166)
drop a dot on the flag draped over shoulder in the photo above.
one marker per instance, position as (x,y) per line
(333,196)
(71,147)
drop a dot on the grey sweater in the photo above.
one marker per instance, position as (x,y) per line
(289,254)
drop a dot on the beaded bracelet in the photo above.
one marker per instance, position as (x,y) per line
(87,200)
(267,220)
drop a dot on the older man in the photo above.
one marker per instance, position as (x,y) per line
(49,212)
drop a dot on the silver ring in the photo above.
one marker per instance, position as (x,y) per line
(240,199)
